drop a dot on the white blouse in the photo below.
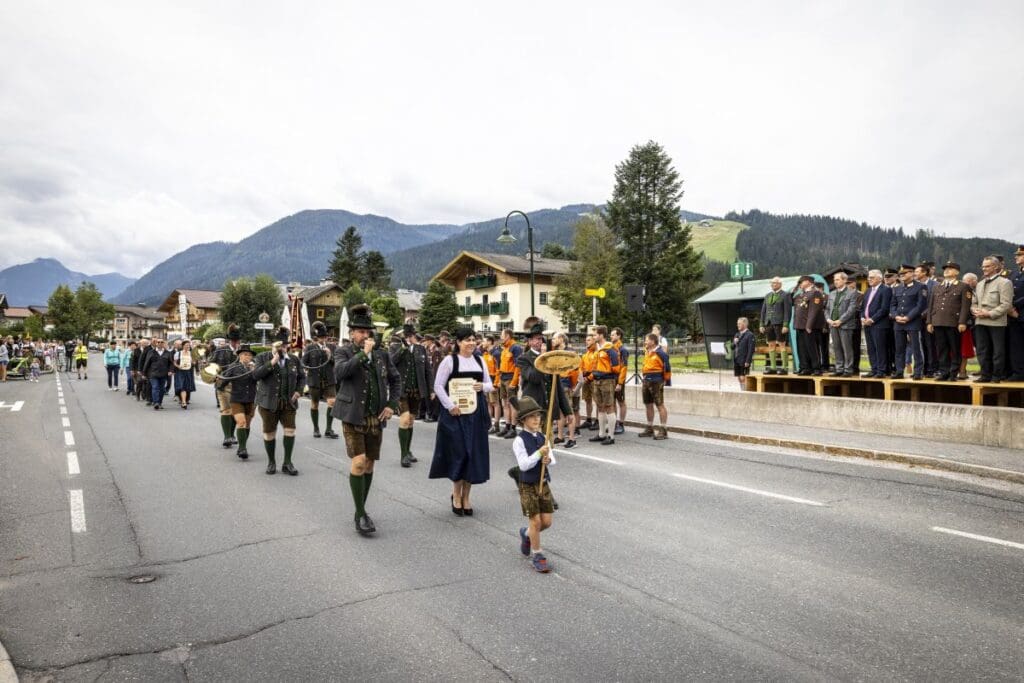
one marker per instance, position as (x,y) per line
(444,371)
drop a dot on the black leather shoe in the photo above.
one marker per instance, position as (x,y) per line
(412,458)
(982,378)
(316,433)
(233,440)
(406,462)
(467,511)
(804,373)
(243,454)
(511,434)
(896,375)
(596,439)
(289,468)
(608,441)
(226,443)
(364,525)
(272,468)
(331,434)
(513,472)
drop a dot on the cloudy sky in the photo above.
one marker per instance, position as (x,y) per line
(131,130)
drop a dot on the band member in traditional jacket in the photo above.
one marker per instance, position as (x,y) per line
(224,356)
(949,309)
(776,310)
(368,389)
(281,379)
(809,320)
(410,358)
(461,449)
(318,364)
(237,379)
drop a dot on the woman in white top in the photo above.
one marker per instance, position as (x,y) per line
(461,450)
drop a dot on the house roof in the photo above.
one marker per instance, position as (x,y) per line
(140,311)
(752,290)
(17,312)
(409,300)
(854,269)
(310,293)
(200,298)
(507,263)
(39,310)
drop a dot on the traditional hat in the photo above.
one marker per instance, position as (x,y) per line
(359,317)
(408,330)
(283,333)
(233,332)
(805,278)
(319,330)
(463,332)
(951,264)
(430,337)
(244,348)
(444,333)
(1020,251)
(526,407)
(535,330)
(906,267)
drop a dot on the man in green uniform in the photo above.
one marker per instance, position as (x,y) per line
(280,380)
(317,362)
(224,356)
(410,359)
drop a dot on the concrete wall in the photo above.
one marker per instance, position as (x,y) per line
(990,426)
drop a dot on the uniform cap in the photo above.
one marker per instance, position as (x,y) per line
(805,278)
(889,270)
(1020,251)
(927,264)
(951,264)
(906,267)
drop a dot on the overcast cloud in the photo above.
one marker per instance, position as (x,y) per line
(131,130)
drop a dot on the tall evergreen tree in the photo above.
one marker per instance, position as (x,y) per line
(346,265)
(597,265)
(376,274)
(439,310)
(654,243)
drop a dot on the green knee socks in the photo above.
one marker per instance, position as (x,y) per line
(358,486)
(314,415)
(404,439)
(773,358)
(289,442)
(243,436)
(330,419)
(271,446)
(227,425)
(367,480)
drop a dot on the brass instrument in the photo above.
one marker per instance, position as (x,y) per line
(554,363)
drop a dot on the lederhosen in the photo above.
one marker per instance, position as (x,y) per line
(318,366)
(224,357)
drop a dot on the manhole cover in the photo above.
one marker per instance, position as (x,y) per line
(142,578)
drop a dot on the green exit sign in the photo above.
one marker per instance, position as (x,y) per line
(741,270)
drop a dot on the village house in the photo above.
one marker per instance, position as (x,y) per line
(134,322)
(202,307)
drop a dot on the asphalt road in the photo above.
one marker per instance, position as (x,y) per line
(676,559)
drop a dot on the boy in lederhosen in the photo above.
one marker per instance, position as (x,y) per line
(531,450)
(241,395)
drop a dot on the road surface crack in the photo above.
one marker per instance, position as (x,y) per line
(472,648)
(214,553)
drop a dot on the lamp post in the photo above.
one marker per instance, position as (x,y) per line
(507,237)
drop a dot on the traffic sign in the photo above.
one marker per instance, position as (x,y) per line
(264,326)
(264,318)
(599,292)
(741,270)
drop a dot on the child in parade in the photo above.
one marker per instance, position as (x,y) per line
(531,450)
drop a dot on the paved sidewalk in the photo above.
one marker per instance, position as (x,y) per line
(985,461)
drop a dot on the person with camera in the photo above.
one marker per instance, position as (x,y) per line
(280,381)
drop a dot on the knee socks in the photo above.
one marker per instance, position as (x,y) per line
(314,414)
(271,447)
(601,419)
(330,419)
(243,436)
(367,480)
(773,357)
(227,425)
(357,483)
(289,443)
(404,439)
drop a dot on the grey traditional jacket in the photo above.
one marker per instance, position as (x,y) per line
(270,375)
(846,313)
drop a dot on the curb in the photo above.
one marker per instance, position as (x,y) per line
(851,452)
(7,672)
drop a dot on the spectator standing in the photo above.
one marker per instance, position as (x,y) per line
(967,338)
(877,325)
(949,307)
(742,351)
(5,359)
(1015,321)
(657,373)
(909,304)
(776,310)
(993,300)
(126,366)
(809,320)
(841,313)
(81,355)
(157,367)
(35,369)
(69,354)
(112,362)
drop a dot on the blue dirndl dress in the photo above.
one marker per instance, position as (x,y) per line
(461,449)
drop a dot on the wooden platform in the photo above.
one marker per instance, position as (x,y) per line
(964,392)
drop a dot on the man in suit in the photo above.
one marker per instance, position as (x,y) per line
(923,274)
(992,303)
(410,359)
(318,364)
(841,314)
(877,324)
(1015,320)
(949,309)
(280,380)
(891,278)
(809,321)
(368,391)
(776,310)
(909,304)
(157,367)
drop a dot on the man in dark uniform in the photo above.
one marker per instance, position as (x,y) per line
(949,308)
(368,390)
(1015,321)
(909,304)
(318,364)
(224,356)
(809,321)
(434,358)
(280,381)
(891,279)
(923,274)
(410,359)
(776,310)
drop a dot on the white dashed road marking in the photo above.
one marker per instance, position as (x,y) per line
(63,410)
(759,492)
(977,537)
(73,463)
(77,511)
(65,422)
(69,439)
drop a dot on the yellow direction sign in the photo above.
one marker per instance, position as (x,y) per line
(599,292)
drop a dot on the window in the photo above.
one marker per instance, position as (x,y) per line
(467,300)
(504,326)
(504,297)
(485,301)
(320,314)
(543,299)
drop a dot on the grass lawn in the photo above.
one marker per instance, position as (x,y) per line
(718,242)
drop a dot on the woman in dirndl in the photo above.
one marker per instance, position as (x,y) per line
(461,450)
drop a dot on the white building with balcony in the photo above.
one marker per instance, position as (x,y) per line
(493,290)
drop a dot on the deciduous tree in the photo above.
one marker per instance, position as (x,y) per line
(243,299)
(92,313)
(597,265)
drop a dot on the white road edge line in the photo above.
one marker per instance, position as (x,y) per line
(69,439)
(977,537)
(735,487)
(77,511)
(561,451)
(65,422)
(73,463)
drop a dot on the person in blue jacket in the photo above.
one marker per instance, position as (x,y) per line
(909,303)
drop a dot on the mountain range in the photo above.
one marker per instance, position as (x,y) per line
(28,284)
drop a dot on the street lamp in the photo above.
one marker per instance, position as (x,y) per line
(507,237)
